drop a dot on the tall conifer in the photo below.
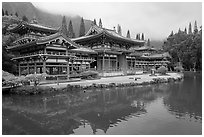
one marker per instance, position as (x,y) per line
(63,28)
(128,34)
(71,33)
(82,28)
(189,29)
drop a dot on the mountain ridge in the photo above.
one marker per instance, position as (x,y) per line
(43,17)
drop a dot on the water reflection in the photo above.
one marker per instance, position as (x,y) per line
(185,98)
(64,113)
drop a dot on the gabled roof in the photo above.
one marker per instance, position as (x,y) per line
(38,27)
(56,36)
(108,32)
(144,48)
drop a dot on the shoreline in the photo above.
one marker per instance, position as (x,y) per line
(105,82)
(130,79)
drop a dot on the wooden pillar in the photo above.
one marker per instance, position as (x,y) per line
(116,65)
(35,68)
(67,68)
(103,65)
(19,68)
(109,63)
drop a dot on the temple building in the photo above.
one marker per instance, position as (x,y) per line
(41,49)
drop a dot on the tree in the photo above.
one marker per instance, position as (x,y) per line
(119,30)
(63,28)
(2,12)
(11,14)
(195,28)
(172,33)
(185,31)
(71,33)
(138,36)
(6,13)
(128,34)
(94,22)
(148,43)
(179,31)
(189,29)
(100,23)
(142,36)
(16,14)
(185,50)
(82,28)
(24,18)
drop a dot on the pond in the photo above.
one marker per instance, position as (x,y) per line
(169,108)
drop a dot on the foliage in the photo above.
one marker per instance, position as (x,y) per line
(82,28)
(2,12)
(128,34)
(89,74)
(24,18)
(142,36)
(185,48)
(7,63)
(94,22)
(36,78)
(6,13)
(71,33)
(162,70)
(16,14)
(119,30)
(63,28)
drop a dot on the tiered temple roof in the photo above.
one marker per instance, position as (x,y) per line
(98,31)
(32,26)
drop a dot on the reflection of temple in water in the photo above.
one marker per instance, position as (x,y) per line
(100,109)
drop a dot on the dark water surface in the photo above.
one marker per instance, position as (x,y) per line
(173,108)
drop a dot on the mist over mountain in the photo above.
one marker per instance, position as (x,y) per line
(44,18)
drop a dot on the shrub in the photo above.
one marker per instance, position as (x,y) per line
(162,70)
(89,74)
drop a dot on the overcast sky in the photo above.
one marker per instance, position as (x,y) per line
(155,20)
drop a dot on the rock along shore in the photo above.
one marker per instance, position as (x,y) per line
(108,82)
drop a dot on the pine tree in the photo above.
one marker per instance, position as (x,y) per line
(94,22)
(63,28)
(179,31)
(16,14)
(128,34)
(119,30)
(148,43)
(142,36)
(189,29)
(11,14)
(138,36)
(2,12)
(82,28)
(6,13)
(100,23)
(185,31)
(71,33)
(195,28)
(172,33)
(24,18)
